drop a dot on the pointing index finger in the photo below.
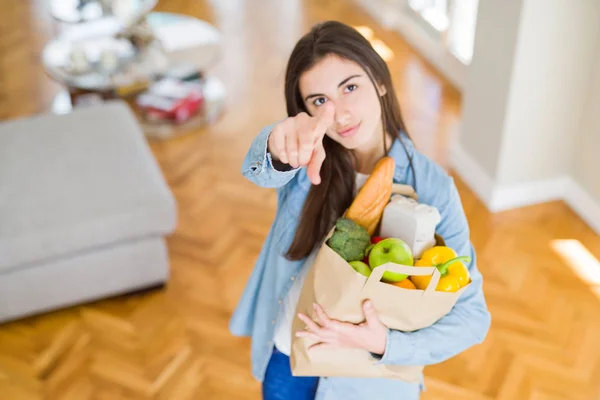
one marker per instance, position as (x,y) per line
(314,166)
(325,119)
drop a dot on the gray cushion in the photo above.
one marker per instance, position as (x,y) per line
(84,277)
(78,181)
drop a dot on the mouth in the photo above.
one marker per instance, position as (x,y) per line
(349,131)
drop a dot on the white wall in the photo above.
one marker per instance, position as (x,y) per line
(486,92)
(528,107)
(548,88)
(586,163)
(530,129)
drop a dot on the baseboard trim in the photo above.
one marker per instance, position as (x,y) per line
(471,172)
(501,197)
(528,193)
(583,204)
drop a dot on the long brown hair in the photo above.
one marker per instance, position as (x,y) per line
(327,201)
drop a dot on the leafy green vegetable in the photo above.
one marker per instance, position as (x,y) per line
(349,240)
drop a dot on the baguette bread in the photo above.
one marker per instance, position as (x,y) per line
(367,208)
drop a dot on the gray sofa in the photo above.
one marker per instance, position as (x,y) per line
(84,210)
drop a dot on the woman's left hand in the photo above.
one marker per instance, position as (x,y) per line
(371,335)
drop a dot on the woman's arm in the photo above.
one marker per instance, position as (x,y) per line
(260,167)
(469,320)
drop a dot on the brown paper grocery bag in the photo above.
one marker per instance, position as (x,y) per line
(333,283)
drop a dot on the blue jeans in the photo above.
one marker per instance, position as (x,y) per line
(279,384)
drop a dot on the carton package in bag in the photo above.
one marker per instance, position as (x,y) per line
(332,283)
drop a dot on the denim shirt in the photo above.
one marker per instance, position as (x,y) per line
(467,323)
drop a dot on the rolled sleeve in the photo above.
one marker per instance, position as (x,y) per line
(258,165)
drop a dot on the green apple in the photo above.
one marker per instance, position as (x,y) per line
(391,250)
(361,268)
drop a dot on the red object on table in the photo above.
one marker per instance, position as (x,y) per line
(171,100)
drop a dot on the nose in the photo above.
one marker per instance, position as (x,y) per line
(342,114)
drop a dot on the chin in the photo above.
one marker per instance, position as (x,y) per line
(354,142)
(350,143)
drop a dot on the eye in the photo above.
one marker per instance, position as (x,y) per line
(351,87)
(319,101)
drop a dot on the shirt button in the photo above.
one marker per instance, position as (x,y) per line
(280,301)
(292,278)
(273,322)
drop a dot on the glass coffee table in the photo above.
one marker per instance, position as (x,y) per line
(105,59)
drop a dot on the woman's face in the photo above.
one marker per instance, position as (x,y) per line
(343,83)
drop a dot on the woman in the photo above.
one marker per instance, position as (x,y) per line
(343,116)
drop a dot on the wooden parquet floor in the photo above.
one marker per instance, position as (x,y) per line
(173,342)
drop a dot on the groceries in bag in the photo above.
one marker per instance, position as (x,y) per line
(406,235)
(453,273)
(390,250)
(367,207)
(349,240)
(363,254)
(412,221)
(346,272)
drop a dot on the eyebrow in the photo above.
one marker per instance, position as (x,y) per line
(340,84)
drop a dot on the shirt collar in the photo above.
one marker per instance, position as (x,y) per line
(400,156)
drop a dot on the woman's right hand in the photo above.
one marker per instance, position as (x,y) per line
(298,141)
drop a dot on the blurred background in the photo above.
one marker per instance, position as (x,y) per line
(127,232)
